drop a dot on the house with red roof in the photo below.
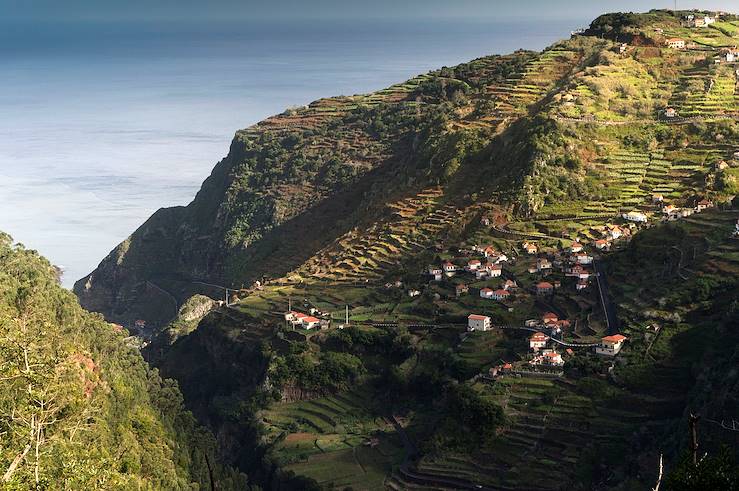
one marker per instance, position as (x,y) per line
(552,359)
(610,345)
(601,244)
(509,285)
(500,294)
(530,248)
(309,322)
(538,340)
(576,247)
(461,289)
(544,288)
(703,204)
(495,270)
(474,265)
(477,322)
(486,293)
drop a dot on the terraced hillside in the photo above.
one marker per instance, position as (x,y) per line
(562,171)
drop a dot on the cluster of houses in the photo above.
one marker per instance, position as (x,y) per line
(490,265)
(305,321)
(550,322)
(672,212)
(699,20)
(574,263)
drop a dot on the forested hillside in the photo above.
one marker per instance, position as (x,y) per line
(79,407)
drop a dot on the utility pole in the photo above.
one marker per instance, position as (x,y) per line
(346,320)
(693,425)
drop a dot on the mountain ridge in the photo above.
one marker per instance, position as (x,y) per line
(353,202)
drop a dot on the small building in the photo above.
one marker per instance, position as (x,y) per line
(461,289)
(583,258)
(614,232)
(635,216)
(530,248)
(669,209)
(703,204)
(675,43)
(489,251)
(482,274)
(509,285)
(576,247)
(544,288)
(578,271)
(477,322)
(657,198)
(543,264)
(486,293)
(581,284)
(552,359)
(610,345)
(449,267)
(549,317)
(309,322)
(414,293)
(474,265)
(495,270)
(538,340)
(436,273)
(533,269)
(500,294)
(601,244)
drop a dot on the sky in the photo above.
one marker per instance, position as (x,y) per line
(235,10)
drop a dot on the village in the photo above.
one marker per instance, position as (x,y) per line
(496,278)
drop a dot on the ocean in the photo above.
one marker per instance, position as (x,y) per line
(103,123)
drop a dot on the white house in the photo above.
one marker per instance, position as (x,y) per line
(581,284)
(552,358)
(635,216)
(614,232)
(583,258)
(675,43)
(481,274)
(413,293)
(486,293)
(538,340)
(436,273)
(474,265)
(495,270)
(543,264)
(576,247)
(449,267)
(601,244)
(610,345)
(530,248)
(309,322)
(500,294)
(477,322)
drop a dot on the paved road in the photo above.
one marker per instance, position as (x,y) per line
(608,307)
